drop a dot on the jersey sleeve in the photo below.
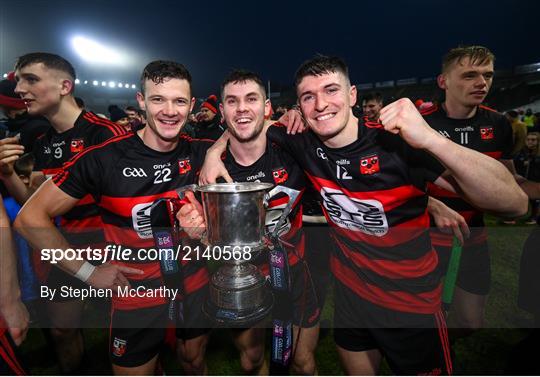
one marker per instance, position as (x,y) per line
(424,167)
(81,176)
(104,133)
(293,144)
(277,133)
(430,166)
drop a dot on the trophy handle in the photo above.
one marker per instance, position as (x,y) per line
(292,194)
(181,191)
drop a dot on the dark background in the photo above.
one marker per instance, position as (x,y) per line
(380,40)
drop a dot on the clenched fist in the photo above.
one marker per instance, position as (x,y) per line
(401,117)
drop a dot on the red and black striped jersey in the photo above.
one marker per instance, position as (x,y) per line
(488,132)
(279,168)
(125,177)
(53,149)
(373,196)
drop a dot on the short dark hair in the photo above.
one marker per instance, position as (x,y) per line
(241,76)
(478,55)
(132,108)
(373,96)
(51,61)
(159,70)
(320,65)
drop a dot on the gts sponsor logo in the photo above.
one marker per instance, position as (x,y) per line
(366,216)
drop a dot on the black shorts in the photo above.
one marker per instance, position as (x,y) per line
(319,246)
(412,343)
(10,364)
(138,335)
(474,274)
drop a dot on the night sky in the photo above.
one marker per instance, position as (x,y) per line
(380,40)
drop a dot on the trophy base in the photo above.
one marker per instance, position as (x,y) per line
(239,318)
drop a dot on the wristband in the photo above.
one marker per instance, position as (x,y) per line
(85,271)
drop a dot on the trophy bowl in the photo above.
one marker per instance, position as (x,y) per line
(234,214)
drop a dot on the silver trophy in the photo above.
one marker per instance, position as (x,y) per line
(235,222)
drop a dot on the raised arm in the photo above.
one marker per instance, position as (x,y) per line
(482,180)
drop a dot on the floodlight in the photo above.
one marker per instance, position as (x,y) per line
(95,52)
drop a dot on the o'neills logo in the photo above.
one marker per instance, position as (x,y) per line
(140,215)
(255,177)
(464,129)
(366,216)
